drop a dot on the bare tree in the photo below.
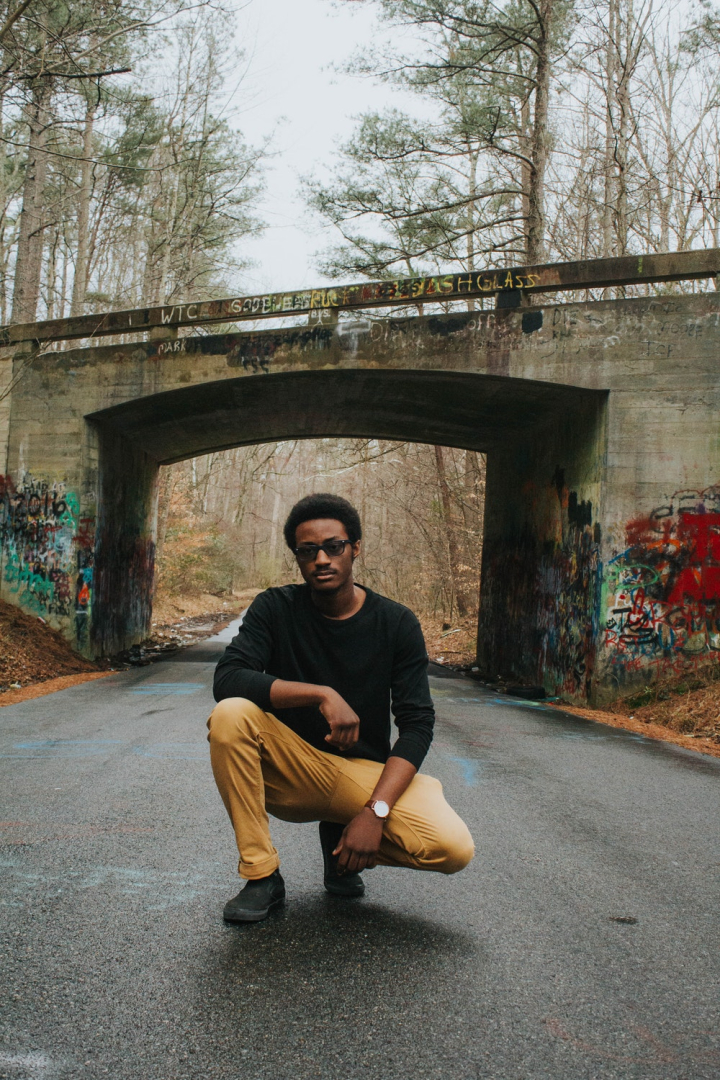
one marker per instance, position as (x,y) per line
(415,513)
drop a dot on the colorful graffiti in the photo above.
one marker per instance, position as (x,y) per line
(663,590)
(568,585)
(444,287)
(541,594)
(47,550)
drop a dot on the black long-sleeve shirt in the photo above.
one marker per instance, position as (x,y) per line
(376,660)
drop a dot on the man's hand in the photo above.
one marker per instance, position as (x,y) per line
(359,843)
(344,722)
(361,839)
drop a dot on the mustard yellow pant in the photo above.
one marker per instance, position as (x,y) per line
(261,766)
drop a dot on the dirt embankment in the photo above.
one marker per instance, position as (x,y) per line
(36,660)
(170,611)
(452,644)
(31,652)
(684,711)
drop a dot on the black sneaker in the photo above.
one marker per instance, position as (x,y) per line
(255,901)
(347,885)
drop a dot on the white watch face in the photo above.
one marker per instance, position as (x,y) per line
(381,809)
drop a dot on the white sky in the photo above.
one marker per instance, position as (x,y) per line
(290,87)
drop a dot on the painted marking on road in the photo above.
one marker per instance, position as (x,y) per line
(469,769)
(169,688)
(62,748)
(492,702)
(73,749)
(33,1064)
(524,704)
(33,832)
(182,750)
(159,889)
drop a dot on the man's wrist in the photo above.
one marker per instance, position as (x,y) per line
(372,816)
(289,695)
(325,694)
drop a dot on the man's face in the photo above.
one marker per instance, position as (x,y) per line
(326,573)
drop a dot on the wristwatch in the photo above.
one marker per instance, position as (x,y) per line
(379,808)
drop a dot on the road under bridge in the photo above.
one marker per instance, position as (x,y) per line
(601,555)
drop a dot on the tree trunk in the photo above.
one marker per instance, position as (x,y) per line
(3,211)
(63,284)
(540,140)
(526,176)
(609,169)
(28,261)
(51,276)
(165,490)
(472,198)
(525,168)
(80,280)
(453,547)
(623,123)
(275,522)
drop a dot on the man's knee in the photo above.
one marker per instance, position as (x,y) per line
(230,719)
(457,850)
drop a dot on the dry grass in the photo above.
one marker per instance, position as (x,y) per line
(169,610)
(688,705)
(696,741)
(692,712)
(684,711)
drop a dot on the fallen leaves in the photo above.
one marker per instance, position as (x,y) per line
(32,652)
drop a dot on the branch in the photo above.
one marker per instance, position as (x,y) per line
(14,18)
(79,75)
(94,161)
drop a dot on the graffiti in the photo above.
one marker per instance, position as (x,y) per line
(323,317)
(663,590)
(441,287)
(541,593)
(84,556)
(532,321)
(350,333)
(662,349)
(255,352)
(48,550)
(568,587)
(252,352)
(177,346)
(416,335)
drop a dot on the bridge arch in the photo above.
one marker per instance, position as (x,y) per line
(599,420)
(528,428)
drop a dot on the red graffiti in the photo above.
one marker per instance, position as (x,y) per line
(700,581)
(85,536)
(667,582)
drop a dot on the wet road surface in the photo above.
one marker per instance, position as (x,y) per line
(117,858)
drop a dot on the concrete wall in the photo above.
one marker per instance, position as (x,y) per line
(599,420)
(542,561)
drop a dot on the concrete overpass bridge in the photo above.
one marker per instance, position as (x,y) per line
(601,556)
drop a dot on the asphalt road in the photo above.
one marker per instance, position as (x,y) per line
(117,858)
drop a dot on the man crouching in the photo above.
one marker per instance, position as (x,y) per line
(302,728)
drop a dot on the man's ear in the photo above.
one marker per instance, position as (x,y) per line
(355,550)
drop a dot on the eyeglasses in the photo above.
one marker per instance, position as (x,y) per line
(309,552)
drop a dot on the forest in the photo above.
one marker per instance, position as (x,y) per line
(515,133)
